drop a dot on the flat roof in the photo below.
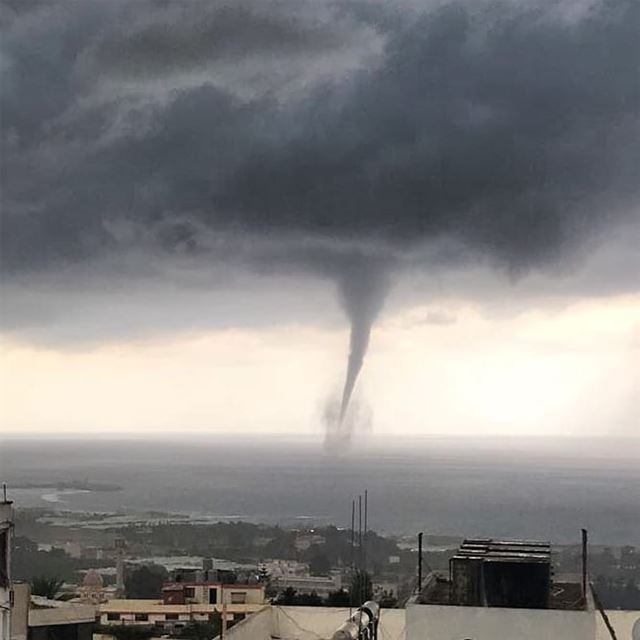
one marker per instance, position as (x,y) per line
(168,586)
(69,614)
(157,606)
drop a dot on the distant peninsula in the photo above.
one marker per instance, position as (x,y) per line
(75,485)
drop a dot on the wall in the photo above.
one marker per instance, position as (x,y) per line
(80,631)
(6,518)
(431,622)
(253,595)
(622,622)
(256,627)
(20,612)
(309,623)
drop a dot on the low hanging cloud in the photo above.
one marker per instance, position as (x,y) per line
(317,138)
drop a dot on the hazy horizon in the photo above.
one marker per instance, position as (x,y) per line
(446,490)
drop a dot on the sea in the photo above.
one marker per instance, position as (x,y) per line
(492,487)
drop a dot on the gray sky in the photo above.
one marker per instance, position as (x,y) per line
(232,183)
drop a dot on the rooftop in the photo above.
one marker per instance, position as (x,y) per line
(489,550)
(169,586)
(158,606)
(54,612)
(502,573)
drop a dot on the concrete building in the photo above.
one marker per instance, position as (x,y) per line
(168,617)
(495,590)
(310,623)
(212,593)
(416,622)
(278,568)
(55,620)
(321,585)
(20,611)
(501,589)
(6,595)
(185,602)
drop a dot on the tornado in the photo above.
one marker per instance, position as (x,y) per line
(358,344)
(363,291)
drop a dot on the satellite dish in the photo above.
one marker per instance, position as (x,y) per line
(635,634)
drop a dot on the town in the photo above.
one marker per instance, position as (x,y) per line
(163,577)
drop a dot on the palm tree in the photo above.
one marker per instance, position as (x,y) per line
(46,587)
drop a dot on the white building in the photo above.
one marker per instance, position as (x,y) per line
(422,622)
(278,568)
(6,529)
(320,585)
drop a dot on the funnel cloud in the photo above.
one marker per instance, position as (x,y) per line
(362,292)
(345,141)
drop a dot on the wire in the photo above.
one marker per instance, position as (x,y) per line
(297,625)
(600,608)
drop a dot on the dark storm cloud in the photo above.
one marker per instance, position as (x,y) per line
(315,135)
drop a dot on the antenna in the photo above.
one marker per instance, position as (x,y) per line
(364,551)
(353,526)
(359,549)
(419,563)
(584,564)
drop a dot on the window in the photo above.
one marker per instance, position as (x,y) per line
(4,560)
(142,617)
(113,616)
(171,616)
(239,616)
(238,597)
(189,592)
(213,595)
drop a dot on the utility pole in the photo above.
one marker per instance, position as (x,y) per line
(353,526)
(364,551)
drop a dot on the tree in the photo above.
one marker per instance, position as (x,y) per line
(319,564)
(46,587)
(309,600)
(126,632)
(361,588)
(288,596)
(338,598)
(145,581)
(202,630)
(388,600)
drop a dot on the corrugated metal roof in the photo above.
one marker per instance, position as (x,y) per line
(489,550)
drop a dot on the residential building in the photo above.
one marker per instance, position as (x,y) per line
(501,589)
(20,610)
(185,602)
(55,620)
(6,600)
(167,617)
(279,568)
(212,593)
(321,585)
